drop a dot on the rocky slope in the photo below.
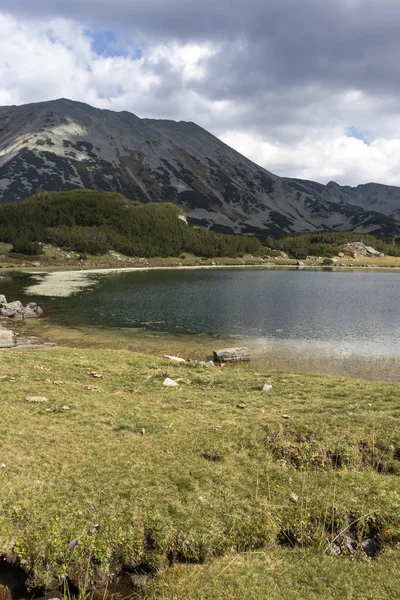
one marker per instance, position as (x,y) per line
(62,145)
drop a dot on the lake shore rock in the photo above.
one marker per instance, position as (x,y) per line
(16,309)
(232,355)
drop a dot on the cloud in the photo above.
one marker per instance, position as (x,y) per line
(307,88)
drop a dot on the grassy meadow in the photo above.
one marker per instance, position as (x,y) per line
(211,490)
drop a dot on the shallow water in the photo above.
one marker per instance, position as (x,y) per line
(343,313)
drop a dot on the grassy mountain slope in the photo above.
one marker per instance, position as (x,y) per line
(96,222)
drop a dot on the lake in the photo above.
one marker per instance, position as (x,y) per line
(344,312)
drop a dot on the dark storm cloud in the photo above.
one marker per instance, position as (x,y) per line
(265,44)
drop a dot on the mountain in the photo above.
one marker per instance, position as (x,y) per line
(64,145)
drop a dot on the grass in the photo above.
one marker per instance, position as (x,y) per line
(244,503)
(57,257)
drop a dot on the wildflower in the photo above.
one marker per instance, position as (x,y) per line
(73,543)
(95,529)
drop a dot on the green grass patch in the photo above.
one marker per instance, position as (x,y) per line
(182,475)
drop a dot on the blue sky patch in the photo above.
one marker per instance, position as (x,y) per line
(107,43)
(359,134)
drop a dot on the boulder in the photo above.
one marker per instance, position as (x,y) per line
(232,355)
(17,305)
(7,312)
(3,299)
(29,313)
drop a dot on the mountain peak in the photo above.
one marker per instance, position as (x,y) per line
(62,144)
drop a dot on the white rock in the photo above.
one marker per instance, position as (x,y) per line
(38,399)
(3,299)
(17,305)
(267,387)
(170,382)
(174,358)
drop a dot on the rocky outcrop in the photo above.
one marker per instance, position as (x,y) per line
(18,310)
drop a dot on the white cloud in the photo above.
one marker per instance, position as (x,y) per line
(324,156)
(294,130)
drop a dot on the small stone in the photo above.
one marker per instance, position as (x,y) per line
(168,382)
(96,374)
(294,497)
(38,399)
(65,407)
(201,500)
(2,466)
(143,431)
(285,416)
(335,550)
(267,387)
(241,405)
(57,382)
(174,358)
(92,388)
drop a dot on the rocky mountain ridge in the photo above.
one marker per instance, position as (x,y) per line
(62,145)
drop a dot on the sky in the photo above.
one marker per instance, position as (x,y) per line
(305,88)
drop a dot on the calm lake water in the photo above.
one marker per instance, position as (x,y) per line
(348,312)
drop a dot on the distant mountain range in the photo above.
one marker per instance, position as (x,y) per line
(64,145)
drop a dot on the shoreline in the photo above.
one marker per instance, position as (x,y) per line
(110,269)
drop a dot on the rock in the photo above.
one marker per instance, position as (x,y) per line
(267,387)
(370,547)
(7,312)
(284,416)
(372,251)
(65,407)
(3,299)
(28,313)
(335,550)
(174,358)
(241,405)
(17,305)
(341,254)
(232,355)
(168,382)
(299,263)
(293,497)
(6,338)
(37,399)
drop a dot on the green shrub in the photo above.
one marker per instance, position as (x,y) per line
(21,246)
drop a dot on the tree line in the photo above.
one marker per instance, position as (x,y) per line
(92,222)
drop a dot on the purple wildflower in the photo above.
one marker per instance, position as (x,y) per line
(94,530)
(73,543)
